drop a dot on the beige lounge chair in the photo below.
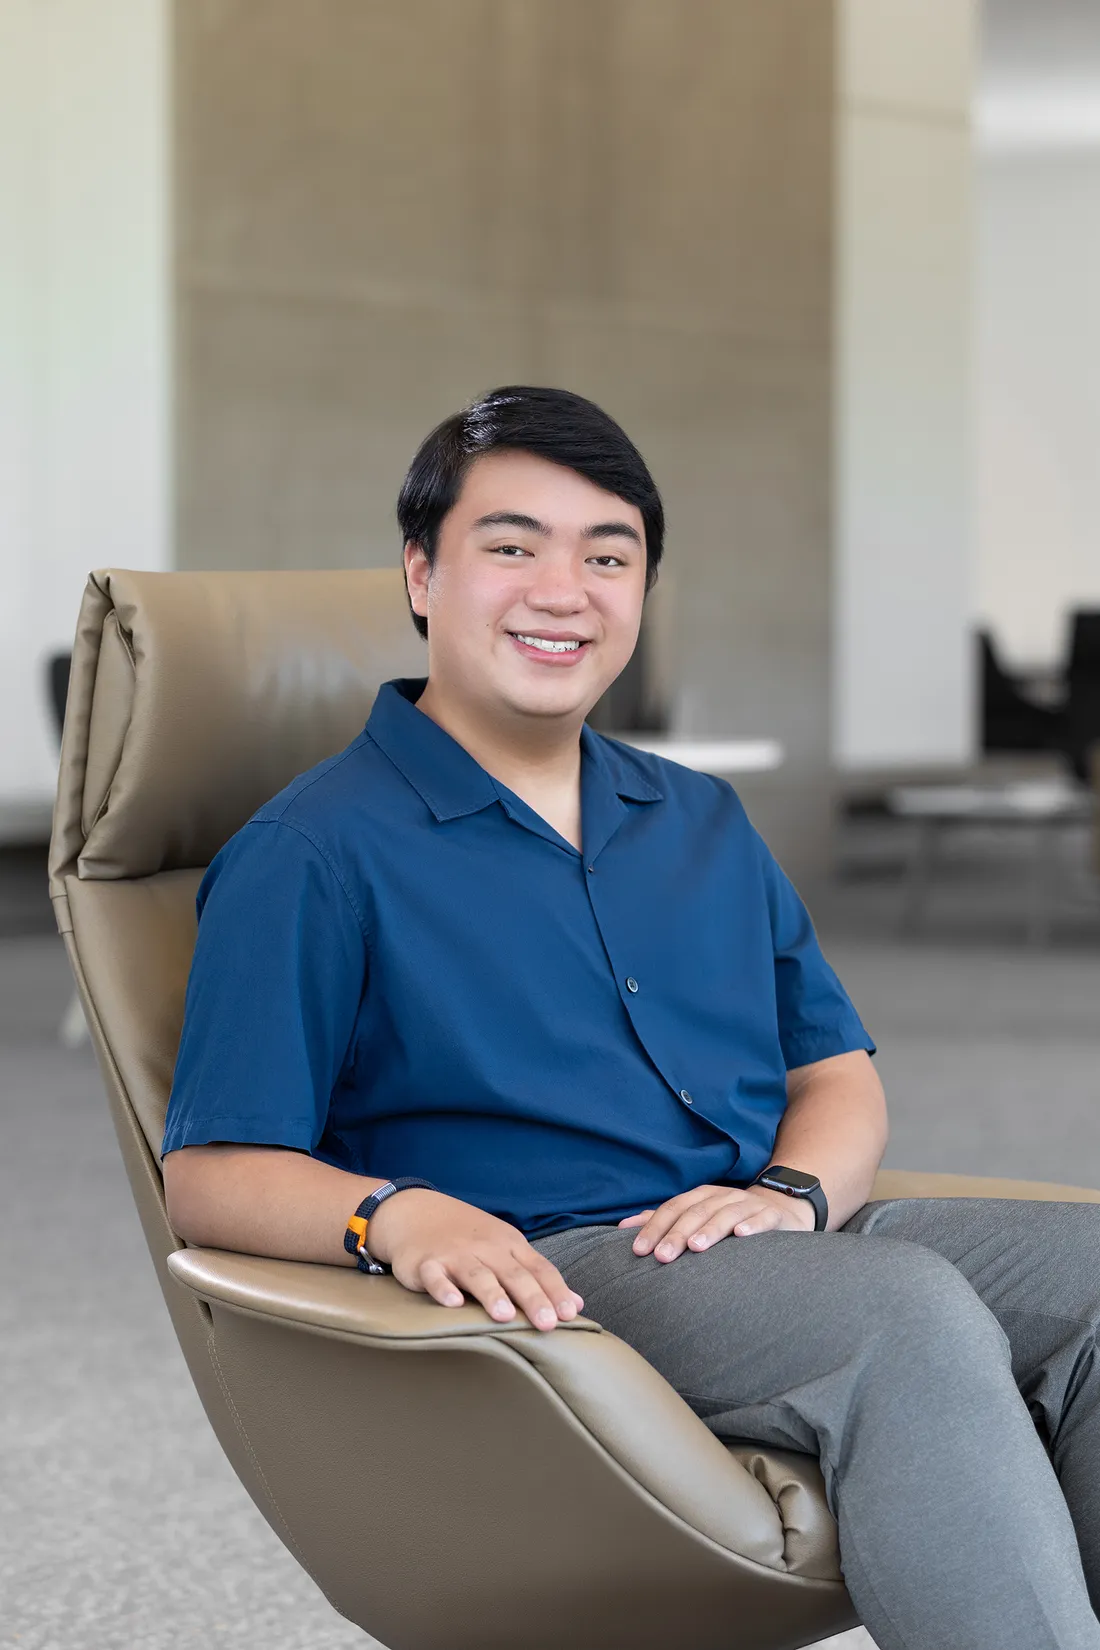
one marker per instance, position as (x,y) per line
(450,1484)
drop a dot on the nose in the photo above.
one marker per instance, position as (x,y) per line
(556,587)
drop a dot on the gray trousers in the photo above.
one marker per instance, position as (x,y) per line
(939,1357)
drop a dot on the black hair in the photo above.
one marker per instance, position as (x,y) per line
(551,424)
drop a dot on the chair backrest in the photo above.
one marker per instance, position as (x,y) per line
(999,691)
(1083,679)
(193,698)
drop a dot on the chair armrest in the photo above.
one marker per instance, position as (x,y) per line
(609,1390)
(915,1183)
(335,1298)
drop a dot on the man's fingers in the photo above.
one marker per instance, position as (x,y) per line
(666,1234)
(658,1221)
(566,1300)
(529,1294)
(765,1219)
(536,1286)
(482,1282)
(435,1281)
(744,1218)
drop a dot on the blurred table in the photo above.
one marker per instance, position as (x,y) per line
(711,755)
(1043,806)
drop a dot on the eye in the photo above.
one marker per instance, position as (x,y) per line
(508,550)
(618,560)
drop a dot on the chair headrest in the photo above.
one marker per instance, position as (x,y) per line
(194,697)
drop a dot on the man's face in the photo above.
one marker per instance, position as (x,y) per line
(531,550)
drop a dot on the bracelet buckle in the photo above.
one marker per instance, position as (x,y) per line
(367,1263)
(355,1234)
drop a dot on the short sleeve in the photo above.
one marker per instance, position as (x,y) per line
(816,1016)
(273,996)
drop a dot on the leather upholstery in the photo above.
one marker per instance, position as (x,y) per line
(201,696)
(536,1489)
(141,935)
(797,1488)
(917,1183)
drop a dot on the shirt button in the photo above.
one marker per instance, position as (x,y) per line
(591,870)
(631,983)
(686,1097)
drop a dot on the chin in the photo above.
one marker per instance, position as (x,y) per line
(548,705)
(546,699)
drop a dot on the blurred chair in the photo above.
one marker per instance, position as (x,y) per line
(57,678)
(73,1030)
(450,1483)
(1010,720)
(1083,680)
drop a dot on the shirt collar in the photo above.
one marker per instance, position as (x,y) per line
(620,765)
(447,777)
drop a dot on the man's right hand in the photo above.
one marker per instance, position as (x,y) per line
(441,1246)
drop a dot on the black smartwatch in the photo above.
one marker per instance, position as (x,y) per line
(796,1184)
(355,1237)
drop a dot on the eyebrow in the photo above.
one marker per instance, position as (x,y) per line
(510,518)
(612,530)
(531,524)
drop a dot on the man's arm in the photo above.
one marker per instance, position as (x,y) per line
(263,1200)
(834,1127)
(266,1200)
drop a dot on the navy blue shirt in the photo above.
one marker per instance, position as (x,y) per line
(404,970)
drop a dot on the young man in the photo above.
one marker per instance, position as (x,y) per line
(565,990)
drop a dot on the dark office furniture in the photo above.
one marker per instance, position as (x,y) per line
(1010,720)
(1083,681)
(57,677)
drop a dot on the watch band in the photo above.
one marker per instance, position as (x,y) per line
(355,1237)
(813,1195)
(820,1204)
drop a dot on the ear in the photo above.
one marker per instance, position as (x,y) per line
(417,574)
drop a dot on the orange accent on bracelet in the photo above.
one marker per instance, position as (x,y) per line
(359,1226)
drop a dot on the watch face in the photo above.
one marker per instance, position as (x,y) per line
(789,1180)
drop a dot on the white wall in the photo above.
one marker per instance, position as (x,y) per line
(84,338)
(1038,465)
(903,596)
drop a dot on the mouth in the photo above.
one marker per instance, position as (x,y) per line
(550,650)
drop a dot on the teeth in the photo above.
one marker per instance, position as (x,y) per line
(546,646)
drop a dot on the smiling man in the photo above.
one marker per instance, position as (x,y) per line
(526,1015)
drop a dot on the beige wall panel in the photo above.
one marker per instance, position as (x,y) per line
(748,513)
(301,416)
(627,152)
(385,209)
(719,197)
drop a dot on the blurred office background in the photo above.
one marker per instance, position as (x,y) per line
(835,265)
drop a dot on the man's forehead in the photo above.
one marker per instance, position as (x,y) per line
(511,484)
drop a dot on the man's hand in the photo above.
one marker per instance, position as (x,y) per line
(699,1218)
(439,1246)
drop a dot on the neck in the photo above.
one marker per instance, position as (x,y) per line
(513,749)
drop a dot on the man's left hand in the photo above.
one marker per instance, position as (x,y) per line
(700,1218)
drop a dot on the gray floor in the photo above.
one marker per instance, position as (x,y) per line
(122,1528)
